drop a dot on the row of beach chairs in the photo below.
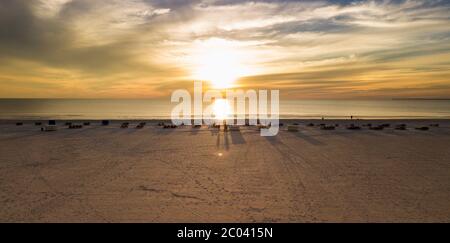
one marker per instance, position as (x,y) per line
(51,126)
(295,127)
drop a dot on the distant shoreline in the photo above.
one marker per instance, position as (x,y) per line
(153,110)
(431,99)
(286,120)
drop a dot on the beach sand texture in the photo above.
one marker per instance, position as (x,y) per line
(108,174)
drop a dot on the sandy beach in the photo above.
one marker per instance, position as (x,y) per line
(107,174)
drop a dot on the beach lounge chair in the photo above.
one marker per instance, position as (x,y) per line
(170,126)
(328,127)
(293,128)
(140,125)
(263,127)
(105,123)
(422,128)
(74,126)
(377,128)
(214,126)
(124,125)
(49,128)
(400,127)
(353,127)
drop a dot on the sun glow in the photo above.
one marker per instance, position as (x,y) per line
(219,62)
(221,109)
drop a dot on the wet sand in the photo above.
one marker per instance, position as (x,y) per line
(108,174)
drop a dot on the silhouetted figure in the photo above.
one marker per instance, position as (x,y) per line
(225,126)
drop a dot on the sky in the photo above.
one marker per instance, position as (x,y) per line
(149,48)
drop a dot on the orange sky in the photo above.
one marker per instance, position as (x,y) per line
(148,48)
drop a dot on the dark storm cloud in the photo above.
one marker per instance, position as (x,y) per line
(49,40)
(22,32)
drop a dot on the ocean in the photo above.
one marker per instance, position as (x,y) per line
(135,109)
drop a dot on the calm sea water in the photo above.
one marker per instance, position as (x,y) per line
(155,109)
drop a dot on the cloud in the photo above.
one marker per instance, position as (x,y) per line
(145,48)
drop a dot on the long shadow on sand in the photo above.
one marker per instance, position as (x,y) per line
(225,141)
(163,131)
(273,140)
(194,131)
(214,132)
(351,133)
(237,138)
(308,139)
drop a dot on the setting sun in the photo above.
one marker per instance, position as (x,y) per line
(221,109)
